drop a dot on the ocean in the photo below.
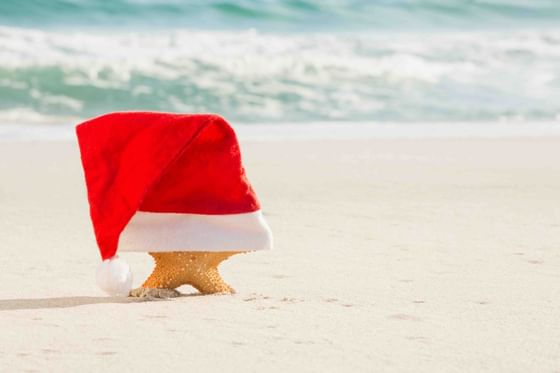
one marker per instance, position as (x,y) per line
(273,62)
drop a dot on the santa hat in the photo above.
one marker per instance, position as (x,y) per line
(166,182)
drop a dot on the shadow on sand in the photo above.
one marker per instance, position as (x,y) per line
(66,302)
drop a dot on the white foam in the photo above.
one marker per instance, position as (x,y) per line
(251,76)
(105,59)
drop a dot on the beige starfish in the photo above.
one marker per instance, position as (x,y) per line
(196,268)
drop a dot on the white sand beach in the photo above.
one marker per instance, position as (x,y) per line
(416,255)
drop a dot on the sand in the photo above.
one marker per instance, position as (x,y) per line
(391,255)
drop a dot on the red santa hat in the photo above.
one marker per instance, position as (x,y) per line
(166,182)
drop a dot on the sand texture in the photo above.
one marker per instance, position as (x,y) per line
(390,255)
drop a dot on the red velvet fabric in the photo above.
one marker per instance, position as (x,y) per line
(160,162)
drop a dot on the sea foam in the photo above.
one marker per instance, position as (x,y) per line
(251,76)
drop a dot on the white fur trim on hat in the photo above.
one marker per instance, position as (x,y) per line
(159,232)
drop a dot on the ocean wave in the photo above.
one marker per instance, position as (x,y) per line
(250,76)
(295,15)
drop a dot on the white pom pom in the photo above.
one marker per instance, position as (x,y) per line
(114,277)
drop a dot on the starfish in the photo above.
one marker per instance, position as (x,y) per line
(196,268)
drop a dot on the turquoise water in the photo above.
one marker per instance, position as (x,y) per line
(282,61)
(280,15)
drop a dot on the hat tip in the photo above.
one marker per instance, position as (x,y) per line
(114,277)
